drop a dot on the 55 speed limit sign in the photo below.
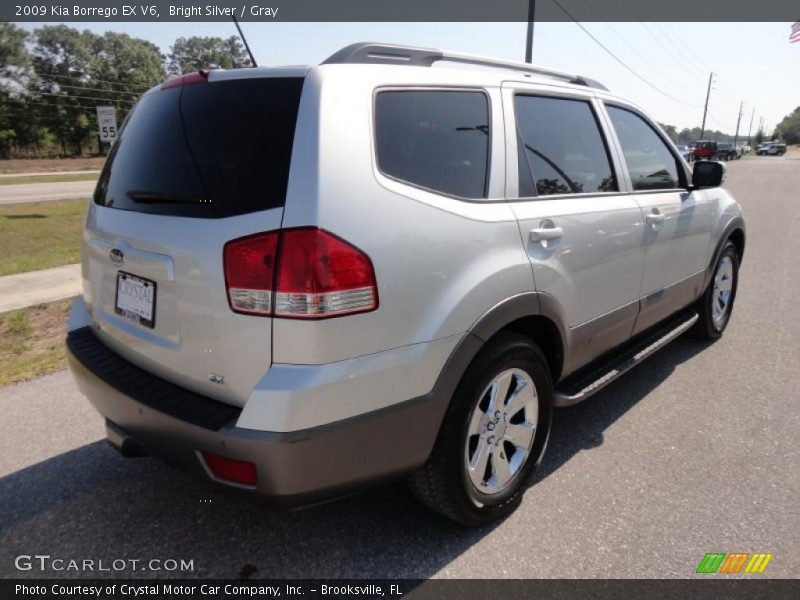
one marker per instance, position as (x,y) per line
(107,123)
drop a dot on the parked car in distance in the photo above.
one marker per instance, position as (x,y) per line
(301,281)
(686,153)
(772,149)
(705,150)
(726,151)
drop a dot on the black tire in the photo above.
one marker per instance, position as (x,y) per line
(443,484)
(705,327)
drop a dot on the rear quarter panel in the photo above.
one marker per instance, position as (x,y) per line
(440,262)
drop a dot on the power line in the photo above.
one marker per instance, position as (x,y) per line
(76,78)
(90,89)
(91,109)
(654,36)
(636,52)
(112,101)
(620,61)
(701,69)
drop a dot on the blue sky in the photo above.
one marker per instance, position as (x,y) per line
(753,62)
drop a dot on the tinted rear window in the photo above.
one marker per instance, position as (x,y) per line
(205,150)
(435,139)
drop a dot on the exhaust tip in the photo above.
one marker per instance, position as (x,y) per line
(122,442)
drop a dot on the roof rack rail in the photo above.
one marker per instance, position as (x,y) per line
(367,52)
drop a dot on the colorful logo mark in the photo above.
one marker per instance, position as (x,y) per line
(734,562)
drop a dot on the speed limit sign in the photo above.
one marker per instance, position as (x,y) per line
(107,123)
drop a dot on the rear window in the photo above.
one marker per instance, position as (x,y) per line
(211,150)
(435,139)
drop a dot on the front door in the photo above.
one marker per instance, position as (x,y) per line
(677,230)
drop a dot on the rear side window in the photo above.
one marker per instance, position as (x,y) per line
(560,148)
(212,149)
(435,139)
(651,164)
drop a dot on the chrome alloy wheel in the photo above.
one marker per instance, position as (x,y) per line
(501,431)
(721,296)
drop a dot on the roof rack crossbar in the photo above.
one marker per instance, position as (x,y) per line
(366,52)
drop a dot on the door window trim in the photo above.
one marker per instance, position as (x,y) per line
(602,130)
(436,88)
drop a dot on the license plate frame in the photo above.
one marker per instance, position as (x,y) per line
(132,312)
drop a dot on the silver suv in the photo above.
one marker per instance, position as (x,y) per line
(301,281)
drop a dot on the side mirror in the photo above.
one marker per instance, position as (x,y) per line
(708,173)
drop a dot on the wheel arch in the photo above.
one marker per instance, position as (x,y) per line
(733,231)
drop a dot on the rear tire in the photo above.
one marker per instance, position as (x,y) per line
(503,403)
(716,304)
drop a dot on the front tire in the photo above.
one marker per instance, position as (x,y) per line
(716,304)
(493,435)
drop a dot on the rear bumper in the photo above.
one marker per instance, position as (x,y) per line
(293,468)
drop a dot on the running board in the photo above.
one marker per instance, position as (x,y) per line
(589,380)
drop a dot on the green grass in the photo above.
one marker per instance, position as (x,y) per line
(48,178)
(32,341)
(40,235)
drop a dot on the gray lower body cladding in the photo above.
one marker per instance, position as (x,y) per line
(293,468)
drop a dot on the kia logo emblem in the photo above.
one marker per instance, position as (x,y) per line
(116,256)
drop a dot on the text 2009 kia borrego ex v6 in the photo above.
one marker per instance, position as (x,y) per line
(300,281)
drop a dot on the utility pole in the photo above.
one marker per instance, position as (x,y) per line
(750,130)
(529,38)
(738,120)
(705,110)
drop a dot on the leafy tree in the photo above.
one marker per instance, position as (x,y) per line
(15,61)
(75,71)
(14,70)
(195,53)
(671,131)
(120,62)
(789,128)
(61,57)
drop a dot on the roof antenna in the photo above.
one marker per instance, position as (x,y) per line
(244,39)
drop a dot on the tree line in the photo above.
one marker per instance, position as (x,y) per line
(52,79)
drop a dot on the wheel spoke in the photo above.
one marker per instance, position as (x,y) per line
(477,463)
(477,421)
(725,284)
(520,435)
(523,396)
(500,391)
(500,468)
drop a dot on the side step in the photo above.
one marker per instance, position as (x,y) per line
(594,377)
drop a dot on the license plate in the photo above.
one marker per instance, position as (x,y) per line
(136,299)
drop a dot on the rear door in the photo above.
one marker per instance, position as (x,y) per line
(677,229)
(582,235)
(200,161)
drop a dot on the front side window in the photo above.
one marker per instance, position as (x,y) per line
(560,148)
(434,139)
(651,164)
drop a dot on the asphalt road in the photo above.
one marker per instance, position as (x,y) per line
(38,192)
(694,452)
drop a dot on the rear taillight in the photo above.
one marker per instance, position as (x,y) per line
(249,270)
(303,273)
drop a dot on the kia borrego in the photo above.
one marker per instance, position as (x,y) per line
(302,281)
